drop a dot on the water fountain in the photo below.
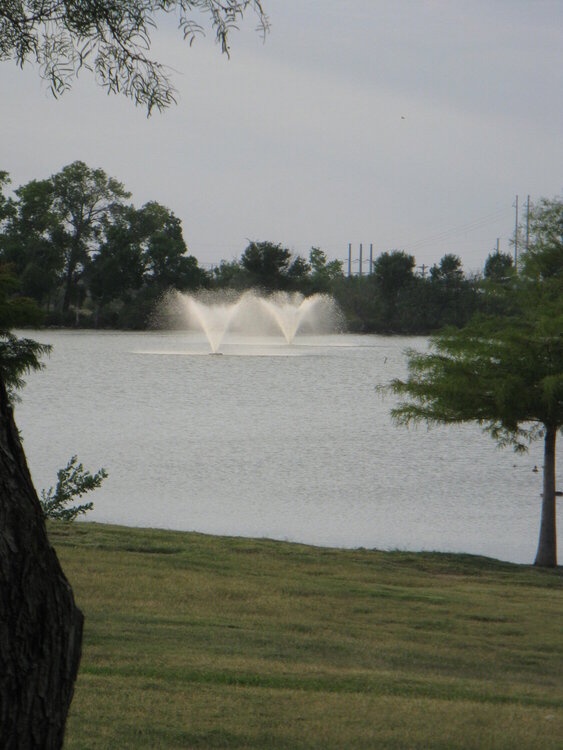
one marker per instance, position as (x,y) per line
(214,320)
(250,314)
(290,312)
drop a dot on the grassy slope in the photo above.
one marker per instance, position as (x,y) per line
(194,641)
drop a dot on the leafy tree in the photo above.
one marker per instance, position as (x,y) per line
(421,306)
(504,372)
(111,39)
(5,204)
(392,272)
(452,297)
(449,271)
(167,264)
(83,200)
(229,275)
(117,268)
(271,267)
(142,255)
(324,273)
(499,267)
(545,256)
(298,274)
(72,235)
(56,224)
(72,482)
(29,243)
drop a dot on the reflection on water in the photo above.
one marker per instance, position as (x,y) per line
(289,442)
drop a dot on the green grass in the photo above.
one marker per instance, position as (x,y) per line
(194,641)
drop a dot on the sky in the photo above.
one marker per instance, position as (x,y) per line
(409,125)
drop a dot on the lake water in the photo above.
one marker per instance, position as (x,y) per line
(271,440)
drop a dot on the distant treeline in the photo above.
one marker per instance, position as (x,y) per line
(87,257)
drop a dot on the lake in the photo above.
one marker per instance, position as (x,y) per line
(271,440)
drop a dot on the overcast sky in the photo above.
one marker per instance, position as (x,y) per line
(409,124)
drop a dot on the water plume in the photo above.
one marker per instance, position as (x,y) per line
(251,314)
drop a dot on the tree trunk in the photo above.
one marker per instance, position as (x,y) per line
(68,289)
(547,548)
(74,255)
(40,626)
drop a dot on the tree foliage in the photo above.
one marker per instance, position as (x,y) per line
(112,39)
(83,200)
(271,267)
(72,482)
(18,356)
(116,269)
(28,241)
(76,246)
(544,259)
(266,264)
(504,372)
(324,273)
(164,252)
(499,267)
(392,273)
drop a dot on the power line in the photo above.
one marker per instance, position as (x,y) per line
(454,231)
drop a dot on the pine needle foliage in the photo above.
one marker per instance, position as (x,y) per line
(72,482)
(505,373)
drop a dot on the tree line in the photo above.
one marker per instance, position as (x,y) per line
(88,257)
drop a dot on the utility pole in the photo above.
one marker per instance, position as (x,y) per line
(360,258)
(528,225)
(370,258)
(349,259)
(516,236)
(498,244)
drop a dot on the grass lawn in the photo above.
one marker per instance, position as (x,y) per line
(195,641)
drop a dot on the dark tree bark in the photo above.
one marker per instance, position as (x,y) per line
(547,547)
(69,276)
(68,292)
(40,625)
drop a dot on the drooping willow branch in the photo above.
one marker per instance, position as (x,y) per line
(112,39)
